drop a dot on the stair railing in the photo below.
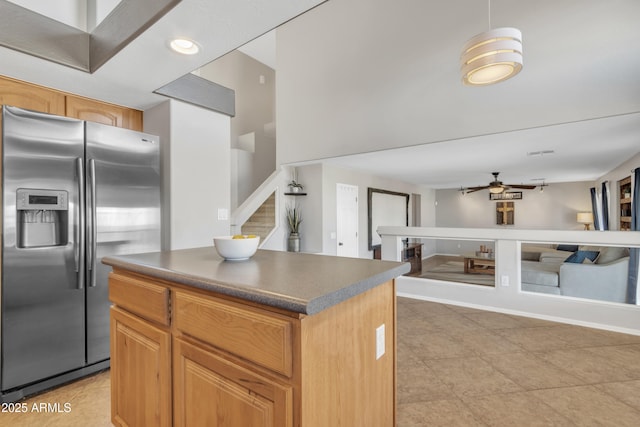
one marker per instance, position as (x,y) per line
(247,208)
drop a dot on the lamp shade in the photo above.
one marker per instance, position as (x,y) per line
(585,217)
(492,56)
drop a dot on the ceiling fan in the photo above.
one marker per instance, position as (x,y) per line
(497,186)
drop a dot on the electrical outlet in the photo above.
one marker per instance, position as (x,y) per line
(380,347)
(223,214)
(504,280)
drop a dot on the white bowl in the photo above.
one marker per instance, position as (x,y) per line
(236,249)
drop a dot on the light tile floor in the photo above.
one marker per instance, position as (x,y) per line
(459,367)
(464,367)
(83,403)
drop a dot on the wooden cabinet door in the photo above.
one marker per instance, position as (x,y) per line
(212,391)
(30,97)
(100,112)
(140,372)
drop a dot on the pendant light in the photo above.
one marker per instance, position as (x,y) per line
(492,56)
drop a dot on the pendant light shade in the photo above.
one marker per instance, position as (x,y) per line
(492,56)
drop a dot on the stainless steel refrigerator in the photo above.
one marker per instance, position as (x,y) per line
(72,192)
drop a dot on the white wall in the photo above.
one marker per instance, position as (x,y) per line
(196,172)
(82,14)
(553,209)
(332,176)
(254,86)
(355,76)
(70,12)
(311,228)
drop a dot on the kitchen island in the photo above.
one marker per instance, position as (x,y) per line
(282,339)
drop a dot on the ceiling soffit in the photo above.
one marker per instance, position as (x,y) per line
(46,38)
(201,92)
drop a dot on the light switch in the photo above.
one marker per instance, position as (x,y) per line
(504,280)
(223,214)
(380,347)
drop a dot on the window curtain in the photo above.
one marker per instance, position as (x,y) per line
(605,206)
(634,253)
(595,208)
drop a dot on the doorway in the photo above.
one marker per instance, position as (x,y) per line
(347,220)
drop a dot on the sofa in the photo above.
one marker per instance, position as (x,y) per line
(588,272)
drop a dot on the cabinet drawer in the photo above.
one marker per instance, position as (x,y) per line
(253,334)
(140,297)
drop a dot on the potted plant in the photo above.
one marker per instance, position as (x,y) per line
(294,186)
(294,218)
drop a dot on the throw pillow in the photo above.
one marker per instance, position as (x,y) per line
(568,248)
(610,253)
(579,256)
(589,248)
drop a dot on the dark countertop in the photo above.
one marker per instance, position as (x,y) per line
(299,282)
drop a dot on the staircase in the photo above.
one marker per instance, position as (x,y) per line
(263,220)
(259,214)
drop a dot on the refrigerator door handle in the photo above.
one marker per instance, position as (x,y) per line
(93,230)
(80,243)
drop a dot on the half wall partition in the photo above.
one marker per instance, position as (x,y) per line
(511,294)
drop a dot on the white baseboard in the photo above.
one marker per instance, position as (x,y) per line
(523,314)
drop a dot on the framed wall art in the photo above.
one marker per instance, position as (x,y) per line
(505,213)
(506,195)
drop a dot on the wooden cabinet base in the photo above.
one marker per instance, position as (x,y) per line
(141,378)
(212,391)
(336,367)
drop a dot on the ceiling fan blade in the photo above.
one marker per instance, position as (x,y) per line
(523,187)
(473,189)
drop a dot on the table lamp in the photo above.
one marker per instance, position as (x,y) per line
(585,218)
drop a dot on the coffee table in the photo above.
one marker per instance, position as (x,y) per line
(478,264)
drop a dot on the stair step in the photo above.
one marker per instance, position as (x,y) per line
(263,220)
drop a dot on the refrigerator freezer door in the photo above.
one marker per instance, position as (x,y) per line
(42,301)
(123,185)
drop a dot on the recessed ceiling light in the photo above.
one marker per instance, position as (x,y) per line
(184,46)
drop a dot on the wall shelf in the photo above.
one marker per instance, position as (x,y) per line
(624,210)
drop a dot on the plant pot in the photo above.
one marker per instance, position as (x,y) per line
(293,244)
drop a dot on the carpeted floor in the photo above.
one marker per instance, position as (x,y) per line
(453,271)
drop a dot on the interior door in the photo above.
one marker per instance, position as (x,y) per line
(347,220)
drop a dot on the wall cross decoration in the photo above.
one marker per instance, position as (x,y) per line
(505,212)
